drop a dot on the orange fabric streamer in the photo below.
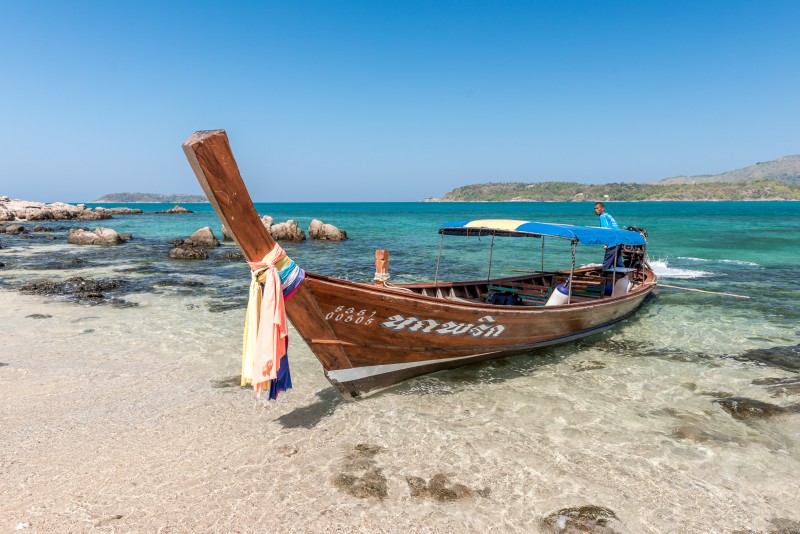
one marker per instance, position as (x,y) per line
(266,328)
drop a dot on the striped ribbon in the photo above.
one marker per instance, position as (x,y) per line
(273,280)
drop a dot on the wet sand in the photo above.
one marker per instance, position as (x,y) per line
(130,420)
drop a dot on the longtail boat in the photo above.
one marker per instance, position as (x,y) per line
(373,335)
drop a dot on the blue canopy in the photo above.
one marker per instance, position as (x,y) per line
(586,235)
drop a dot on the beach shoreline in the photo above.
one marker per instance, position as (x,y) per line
(131,434)
(123,413)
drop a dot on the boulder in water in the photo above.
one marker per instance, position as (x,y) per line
(100,236)
(176,209)
(186,252)
(320,230)
(287,231)
(204,237)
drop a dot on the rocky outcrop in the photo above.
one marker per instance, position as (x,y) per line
(188,252)
(119,211)
(204,237)
(11,210)
(287,231)
(79,287)
(193,247)
(176,209)
(226,234)
(284,231)
(320,230)
(100,236)
(15,229)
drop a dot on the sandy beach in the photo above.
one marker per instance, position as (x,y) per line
(115,420)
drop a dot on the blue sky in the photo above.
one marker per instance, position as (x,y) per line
(391,101)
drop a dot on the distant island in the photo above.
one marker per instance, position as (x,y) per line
(149,197)
(773,180)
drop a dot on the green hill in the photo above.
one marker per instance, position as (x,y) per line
(785,169)
(570,191)
(150,197)
(772,180)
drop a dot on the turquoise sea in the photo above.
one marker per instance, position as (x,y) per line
(637,420)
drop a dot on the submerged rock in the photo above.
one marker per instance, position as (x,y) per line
(441,489)
(780,386)
(742,408)
(188,252)
(120,211)
(78,287)
(582,519)
(783,357)
(100,236)
(15,229)
(238,256)
(361,477)
(319,230)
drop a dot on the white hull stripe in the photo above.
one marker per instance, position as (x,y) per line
(357,373)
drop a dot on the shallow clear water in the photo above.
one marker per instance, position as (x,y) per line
(626,419)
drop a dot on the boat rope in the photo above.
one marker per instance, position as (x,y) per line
(438,260)
(659,284)
(381,277)
(392,286)
(542,253)
(571,272)
(491,252)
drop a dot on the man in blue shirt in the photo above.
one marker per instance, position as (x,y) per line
(613,254)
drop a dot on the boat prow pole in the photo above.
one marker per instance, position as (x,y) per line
(210,155)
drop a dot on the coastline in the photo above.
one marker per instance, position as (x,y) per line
(130,418)
(126,429)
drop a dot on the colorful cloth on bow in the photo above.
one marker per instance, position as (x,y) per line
(266,335)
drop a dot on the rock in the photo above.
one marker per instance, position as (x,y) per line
(126,237)
(100,236)
(783,357)
(176,209)
(232,256)
(120,211)
(79,287)
(267,221)
(38,211)
(742,408)
(226,234)
(204,237)
(186,252)
(41,229)
(595,519)
(319,230)
(287,231)
(15,229)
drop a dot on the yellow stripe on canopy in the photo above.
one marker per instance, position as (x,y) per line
(498,224)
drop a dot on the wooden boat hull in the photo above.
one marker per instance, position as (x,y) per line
(371,336)
(375,337)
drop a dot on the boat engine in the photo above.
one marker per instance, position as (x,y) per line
(633,255)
